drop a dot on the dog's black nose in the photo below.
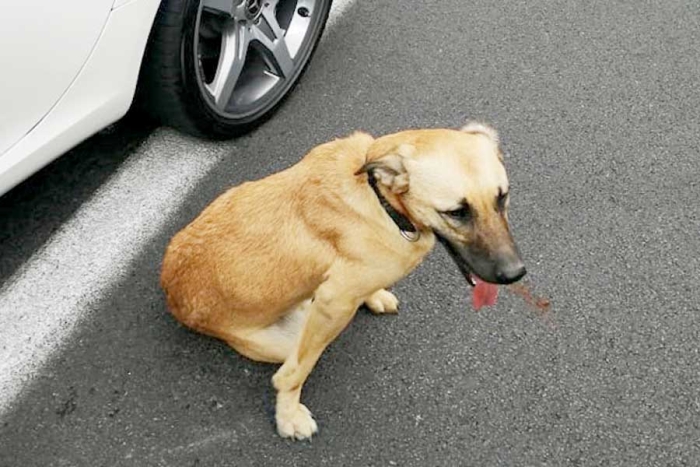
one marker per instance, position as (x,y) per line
(511,273)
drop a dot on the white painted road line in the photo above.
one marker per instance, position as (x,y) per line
(44,301)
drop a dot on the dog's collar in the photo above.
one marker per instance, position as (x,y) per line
(406,227)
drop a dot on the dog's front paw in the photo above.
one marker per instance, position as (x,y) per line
(295,422)
(382,301)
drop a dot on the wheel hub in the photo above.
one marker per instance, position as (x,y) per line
(252,9)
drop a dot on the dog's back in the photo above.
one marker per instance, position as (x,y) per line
(263,247)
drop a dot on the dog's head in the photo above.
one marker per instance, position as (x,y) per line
(455,184)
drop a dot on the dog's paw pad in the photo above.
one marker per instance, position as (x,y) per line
(296,422)
(383,301)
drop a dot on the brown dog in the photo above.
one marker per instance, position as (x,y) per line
(278,267)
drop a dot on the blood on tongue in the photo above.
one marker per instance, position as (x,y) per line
(484,294)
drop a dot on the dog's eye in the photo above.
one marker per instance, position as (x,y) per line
(462,214)
(501,200)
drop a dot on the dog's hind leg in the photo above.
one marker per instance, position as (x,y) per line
(274,343)
(382,301)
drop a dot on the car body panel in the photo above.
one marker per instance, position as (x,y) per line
(100,95)
(45,44)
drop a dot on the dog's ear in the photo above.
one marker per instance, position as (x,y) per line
(389,169)
(481,128)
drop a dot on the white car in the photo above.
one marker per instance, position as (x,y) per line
(212,68)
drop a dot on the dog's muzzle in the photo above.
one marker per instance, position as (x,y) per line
(504,269)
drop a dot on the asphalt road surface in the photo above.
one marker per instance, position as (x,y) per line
(598,106)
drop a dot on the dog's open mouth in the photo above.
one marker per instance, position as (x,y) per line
(459,261)
(484,293)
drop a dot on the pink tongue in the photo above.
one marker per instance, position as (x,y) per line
(484,294)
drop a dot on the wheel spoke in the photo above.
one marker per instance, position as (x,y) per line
(268,14)
(224,7)
(234,48)
(275,49)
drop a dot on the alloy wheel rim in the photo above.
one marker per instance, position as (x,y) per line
(249,52)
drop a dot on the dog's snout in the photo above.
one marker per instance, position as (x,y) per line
(511,272)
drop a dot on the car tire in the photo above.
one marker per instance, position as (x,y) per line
(220,68)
